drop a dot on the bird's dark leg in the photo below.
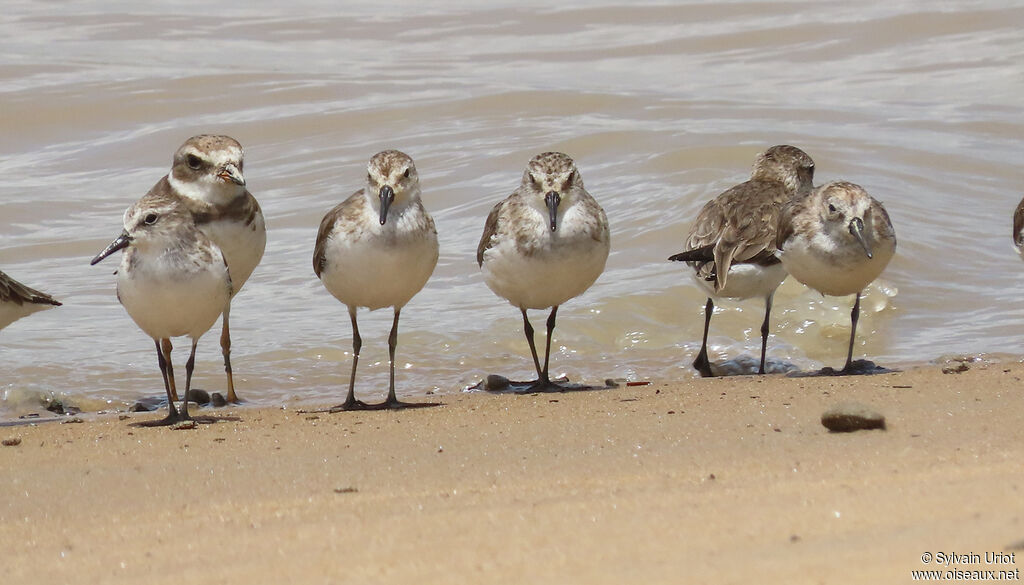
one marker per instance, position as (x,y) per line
(701,364)
(764,329)
(854,317)
(392,401)
(172,412)
(165,348)
(529,339)
(357,344)
(189,367)
(544,378)
(225,348)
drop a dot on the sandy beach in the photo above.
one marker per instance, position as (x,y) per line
(720,480)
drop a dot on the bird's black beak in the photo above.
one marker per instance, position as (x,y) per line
(231,174)
(387,195)
(553,199)
(857,229)
(122,241)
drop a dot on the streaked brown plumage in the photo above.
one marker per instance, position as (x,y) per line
(731,246)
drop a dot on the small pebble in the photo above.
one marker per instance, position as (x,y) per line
(217,400)
(852,416)
(199,396)
(957,369)
(12,442)
(496,383)
(346,490)
(184,425)
(147,404)
(71,421)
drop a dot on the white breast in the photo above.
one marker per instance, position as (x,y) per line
(165,302)
(380,266)
(561,265)
(242,245)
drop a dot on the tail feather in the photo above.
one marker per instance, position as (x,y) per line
(702,254)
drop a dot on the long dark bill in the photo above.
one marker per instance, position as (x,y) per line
(121,242)
(387,195)
(553,199)
(857,229)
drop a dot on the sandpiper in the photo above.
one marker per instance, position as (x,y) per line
(544,244)
(377,249)
(836,240)
(173,280)
(1018,228)
(731,246)
(18,300)
(206,176)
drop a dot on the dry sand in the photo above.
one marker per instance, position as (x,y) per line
(727,481)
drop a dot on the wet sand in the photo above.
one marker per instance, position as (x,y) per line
(728,481)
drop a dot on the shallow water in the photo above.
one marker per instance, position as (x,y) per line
(662,106)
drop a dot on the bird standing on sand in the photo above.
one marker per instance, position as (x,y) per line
(836,240)
(543,245)
(731,246)
(377,249)
(173,281)
(206,177)
(18,300)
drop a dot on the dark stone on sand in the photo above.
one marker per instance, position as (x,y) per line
(847,417)
(148,404)
(198,396)
(56,405)
(217,400)
(496,383)
(957,369)
(12,442)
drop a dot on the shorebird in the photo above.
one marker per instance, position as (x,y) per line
(377,249)
(731,246)
(206,177)
(836,240)
(172,280)
(544,244)
(1018,228)
(18,300)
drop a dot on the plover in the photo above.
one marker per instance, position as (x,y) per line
(173,280)
(206,176)
(544,244)
(1018,228)
(731,246)
(18,300)
(836,240)
(377,249)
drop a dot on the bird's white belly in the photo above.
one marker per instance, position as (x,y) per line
(170,304)
(368,273)
(832,273)
(544,279)
(746,281)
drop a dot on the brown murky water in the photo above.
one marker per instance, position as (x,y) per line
(662,106)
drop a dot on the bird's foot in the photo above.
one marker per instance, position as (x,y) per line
(171,419)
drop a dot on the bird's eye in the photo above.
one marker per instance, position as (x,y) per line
(831,208)
(406,173)
(150,219)
(193,162)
